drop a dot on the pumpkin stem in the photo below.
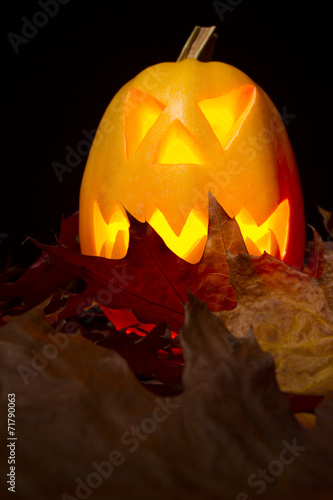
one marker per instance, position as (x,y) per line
(200,44)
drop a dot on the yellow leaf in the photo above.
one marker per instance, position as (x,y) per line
(291,315)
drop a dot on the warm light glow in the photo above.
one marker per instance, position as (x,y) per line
(111,239)
(227,112)
(178,146)
(190,244)
(271,236)
(141,112)
(171,135)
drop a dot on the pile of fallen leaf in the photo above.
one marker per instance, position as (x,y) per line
(289,310)
(83,338)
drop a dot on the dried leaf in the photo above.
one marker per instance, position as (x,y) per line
(151,280)
(143,354)
(327,219)
(291,315)
(315,263)
(40,281)
(229,435)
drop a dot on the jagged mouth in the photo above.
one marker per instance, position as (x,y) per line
(112,238)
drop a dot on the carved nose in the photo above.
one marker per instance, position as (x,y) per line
(179,147)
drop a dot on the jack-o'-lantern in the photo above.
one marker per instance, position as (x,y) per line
(176,132)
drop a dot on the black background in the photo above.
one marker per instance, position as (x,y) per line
(61,81)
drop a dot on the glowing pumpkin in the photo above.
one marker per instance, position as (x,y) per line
(171,135)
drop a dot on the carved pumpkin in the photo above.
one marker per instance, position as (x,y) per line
(171,135)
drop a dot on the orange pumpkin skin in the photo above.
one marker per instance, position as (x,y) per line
(176,132)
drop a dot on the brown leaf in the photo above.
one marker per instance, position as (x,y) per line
(229,435)
(327,219)
(144,356)
(42,279)
(291,315)
(210,279)
(151,280)
(315,263)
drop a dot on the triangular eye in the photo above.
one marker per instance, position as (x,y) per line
(141,112)
(227,113)
(179,147)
